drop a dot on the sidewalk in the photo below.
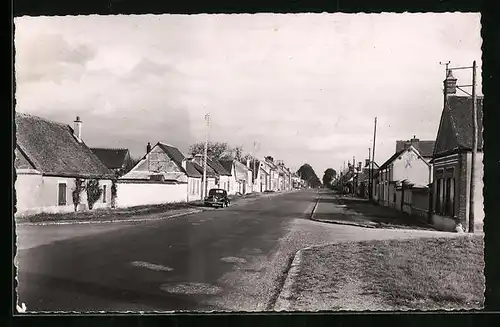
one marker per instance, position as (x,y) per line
(133,214)
(332,208)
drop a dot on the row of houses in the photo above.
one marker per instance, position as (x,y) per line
(431,178)
(53,164)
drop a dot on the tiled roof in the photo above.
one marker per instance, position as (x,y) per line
(173,153)
(425,148)
(455,128)
(112,158)
(219,169)
(461,114)
(198,164)
(53,149)
(227,164)
(192,171)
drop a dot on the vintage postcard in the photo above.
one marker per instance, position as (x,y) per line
(249,162)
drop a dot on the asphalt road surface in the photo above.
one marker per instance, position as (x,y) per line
(227,259)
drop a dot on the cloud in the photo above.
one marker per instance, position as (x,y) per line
(306,86)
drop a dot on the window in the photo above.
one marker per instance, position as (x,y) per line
(61,194)
(104,193)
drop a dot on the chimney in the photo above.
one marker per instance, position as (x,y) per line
(450,84)
(77,129)
(359,166)
(148,148)
(248,163)
(367,162)
(414,141)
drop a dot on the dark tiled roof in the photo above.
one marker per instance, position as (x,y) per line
(219,169)
(198,164)
(192,171)
(227,164)
(461,116)
(255,172)
(425,148)
(174,154)
(455,128)
(53,149)
(112,158)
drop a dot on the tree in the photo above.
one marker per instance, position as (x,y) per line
(238,153)
(306,172)
(94,192)
(77,191)
(215,150)
(328,177)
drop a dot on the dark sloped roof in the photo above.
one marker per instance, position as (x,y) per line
(425,148)
(53,149)
(255,172)
(227,164)
(455,129)
(191,170)
(219,169)
(112,158)
(461,116)
(173,153)
(198,162)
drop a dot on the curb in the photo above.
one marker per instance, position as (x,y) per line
(337,222)
(77,222)
(82,222)
(283,303)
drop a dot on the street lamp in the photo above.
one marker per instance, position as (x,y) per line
(474,130)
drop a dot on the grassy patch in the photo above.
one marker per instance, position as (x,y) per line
(103,214)
(420,274)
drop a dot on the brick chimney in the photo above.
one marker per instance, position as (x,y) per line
(414,141)
(77,128)
(450,84)
(148,148)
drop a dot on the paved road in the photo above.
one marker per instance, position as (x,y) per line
(225,259)
(231,259)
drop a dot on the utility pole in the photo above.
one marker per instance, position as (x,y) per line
(373,155)
(369,171)
(474,150)
(353,174)
(204,191)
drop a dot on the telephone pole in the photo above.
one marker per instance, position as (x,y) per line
(474,150)
(373,155)
(369,172)
(204,190)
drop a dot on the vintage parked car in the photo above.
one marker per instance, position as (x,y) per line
(218,198)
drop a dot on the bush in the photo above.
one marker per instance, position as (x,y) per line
(94,192)
(77,191)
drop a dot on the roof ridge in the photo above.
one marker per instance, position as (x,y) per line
(92,148)
(27,115)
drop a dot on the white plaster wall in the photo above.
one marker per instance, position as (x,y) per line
(37,194)
(411,168)
(136,194)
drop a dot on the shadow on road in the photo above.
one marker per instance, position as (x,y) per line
(100,292)
(362,210)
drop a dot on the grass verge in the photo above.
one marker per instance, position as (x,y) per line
(416,274)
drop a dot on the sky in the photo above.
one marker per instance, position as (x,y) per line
(305,87)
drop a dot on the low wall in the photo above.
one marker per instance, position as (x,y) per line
(137,194)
